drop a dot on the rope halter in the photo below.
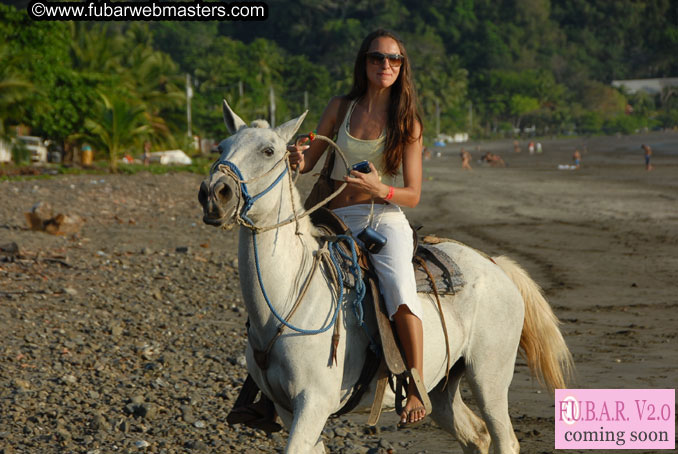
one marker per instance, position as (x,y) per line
(230,169)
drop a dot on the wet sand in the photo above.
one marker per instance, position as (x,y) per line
(146,317)
(602,241)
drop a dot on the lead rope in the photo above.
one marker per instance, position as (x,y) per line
(326,255)
(278,316)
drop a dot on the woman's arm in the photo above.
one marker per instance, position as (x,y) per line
(410,193)
(305,156)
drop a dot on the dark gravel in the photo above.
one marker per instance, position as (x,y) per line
(128,336)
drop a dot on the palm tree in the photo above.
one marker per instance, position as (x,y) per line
(129,62)
(119,125)
(152,77)
(93,49)
(14,89)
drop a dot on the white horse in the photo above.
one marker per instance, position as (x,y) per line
(499,309)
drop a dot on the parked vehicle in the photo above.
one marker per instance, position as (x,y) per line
(36,146)
(5,151)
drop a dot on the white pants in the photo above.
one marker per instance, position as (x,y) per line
(393,264)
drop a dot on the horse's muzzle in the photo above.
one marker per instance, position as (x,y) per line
(217,201)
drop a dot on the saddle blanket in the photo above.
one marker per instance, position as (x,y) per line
(443,269)
(445,272)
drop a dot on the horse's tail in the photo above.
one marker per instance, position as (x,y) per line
(542,344)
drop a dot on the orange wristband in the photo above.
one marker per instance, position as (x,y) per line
(389,196)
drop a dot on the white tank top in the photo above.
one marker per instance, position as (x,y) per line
(356,150)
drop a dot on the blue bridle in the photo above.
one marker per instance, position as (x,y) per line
(248,200)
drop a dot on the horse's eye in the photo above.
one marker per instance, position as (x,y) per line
(268,152)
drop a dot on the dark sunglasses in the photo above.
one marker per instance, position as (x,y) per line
(377,58)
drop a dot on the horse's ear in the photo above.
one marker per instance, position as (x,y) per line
(233,122)
(286,130)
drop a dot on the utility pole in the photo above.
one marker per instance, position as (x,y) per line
(305,99)
(271,98)
(241,89)
(189,95)
(437,117)
(470,117)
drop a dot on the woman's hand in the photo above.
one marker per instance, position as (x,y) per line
(368,182)
(297,156)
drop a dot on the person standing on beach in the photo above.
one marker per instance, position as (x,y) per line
(427,154)
(465,160)
(516,146)
(576,158)
(648,155)
(146,157)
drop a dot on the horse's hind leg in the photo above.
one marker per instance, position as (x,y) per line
(451,414)
(489,382)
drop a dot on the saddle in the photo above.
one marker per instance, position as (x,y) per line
(435,272)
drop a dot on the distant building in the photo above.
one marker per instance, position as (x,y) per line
(664,87)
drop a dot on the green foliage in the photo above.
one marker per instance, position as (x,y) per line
(117,126)
(511,63)
(13,172)
(20,154)
(66,106)
(14,89)
(629,124)
(591,123)
(199,165)
(621,123)
(669,118)
(512,95)
(598,97)
(643,104)
(36,54)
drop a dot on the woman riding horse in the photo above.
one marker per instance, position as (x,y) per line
(382,126)
(498,310)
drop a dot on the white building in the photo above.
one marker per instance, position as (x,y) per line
(664,87)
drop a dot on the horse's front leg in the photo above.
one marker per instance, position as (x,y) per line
(311,411)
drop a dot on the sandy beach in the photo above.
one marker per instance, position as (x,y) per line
(129,336)
(602,241)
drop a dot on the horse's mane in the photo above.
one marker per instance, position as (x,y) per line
(260,123)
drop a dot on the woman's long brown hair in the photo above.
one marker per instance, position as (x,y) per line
(403,108)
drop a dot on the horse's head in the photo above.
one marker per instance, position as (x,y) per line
(249,175)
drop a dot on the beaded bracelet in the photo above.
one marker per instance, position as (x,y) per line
(389,196)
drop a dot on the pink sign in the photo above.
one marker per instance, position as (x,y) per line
(615,418)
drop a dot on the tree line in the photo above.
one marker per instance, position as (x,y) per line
(487,67)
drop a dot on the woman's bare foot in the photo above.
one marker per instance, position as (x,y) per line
(414,410)
(411,335)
